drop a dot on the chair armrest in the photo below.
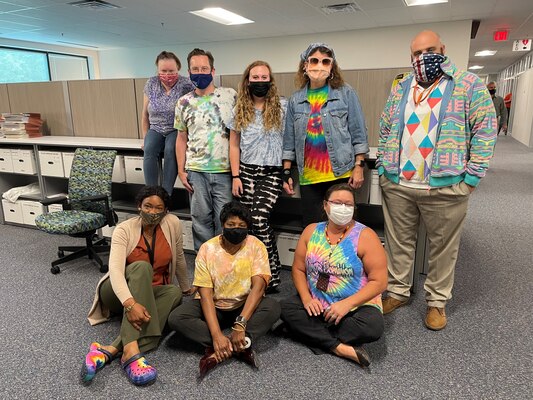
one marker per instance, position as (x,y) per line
(54,200)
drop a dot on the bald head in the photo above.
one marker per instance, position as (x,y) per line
(426,42)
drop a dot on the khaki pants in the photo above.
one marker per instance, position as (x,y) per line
(158,300)
(443,211)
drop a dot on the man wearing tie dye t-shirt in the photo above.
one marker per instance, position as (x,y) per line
(437,135)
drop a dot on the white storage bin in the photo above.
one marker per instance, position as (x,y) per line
(12,212)
(6,162)
(119,170)
(30,210)
(67,163)
(23,161)
(286,243)
(186,227)
(134,169)
(51,163)
(55,207)
(375,189)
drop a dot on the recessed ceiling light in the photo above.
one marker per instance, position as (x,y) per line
(476,67)
(222,16)
(485,53)
(411,3)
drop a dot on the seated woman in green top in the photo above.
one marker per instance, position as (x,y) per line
(146,253)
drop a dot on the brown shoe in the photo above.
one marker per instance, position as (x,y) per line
(390,304)
(435,318)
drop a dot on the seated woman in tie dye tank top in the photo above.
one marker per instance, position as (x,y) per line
(340,271)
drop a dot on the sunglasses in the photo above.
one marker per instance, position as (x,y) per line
(326,62)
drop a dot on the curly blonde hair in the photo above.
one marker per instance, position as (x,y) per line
(245,110)
(335,79)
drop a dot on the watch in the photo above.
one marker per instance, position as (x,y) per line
(360,163)
(241,320)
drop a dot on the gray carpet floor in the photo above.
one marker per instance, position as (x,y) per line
(484,353)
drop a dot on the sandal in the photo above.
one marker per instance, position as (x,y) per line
(139,371)
(95,360)
(362,356)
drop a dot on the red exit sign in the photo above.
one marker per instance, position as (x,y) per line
(501,36)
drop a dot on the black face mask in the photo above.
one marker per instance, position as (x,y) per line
(492,92)
(259,89)
(234,235)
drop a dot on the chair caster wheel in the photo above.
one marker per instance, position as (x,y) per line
(60,253)
(104,268)
(55,270)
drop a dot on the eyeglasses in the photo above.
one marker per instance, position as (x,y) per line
(340,203)
(326,62)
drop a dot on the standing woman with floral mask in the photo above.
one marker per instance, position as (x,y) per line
(146,253)
(339,271)
(325,131)
(161,93)
(256,141)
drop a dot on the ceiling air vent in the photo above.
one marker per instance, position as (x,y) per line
(94,4)
(341,8)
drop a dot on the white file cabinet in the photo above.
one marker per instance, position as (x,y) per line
(186,226)
(119,170)
(68,157)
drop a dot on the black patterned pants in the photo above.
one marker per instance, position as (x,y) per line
(261,188)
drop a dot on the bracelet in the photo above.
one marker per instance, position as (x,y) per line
(237,330)
(235,177)
(286,175)
(243,326)
(130,307)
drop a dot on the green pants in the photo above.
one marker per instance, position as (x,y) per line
(158,300)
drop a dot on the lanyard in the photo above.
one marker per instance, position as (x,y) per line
(150,250)
(425,93)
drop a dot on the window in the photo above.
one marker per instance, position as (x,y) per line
(37,66)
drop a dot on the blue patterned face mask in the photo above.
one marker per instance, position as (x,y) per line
(201,81)
(427,67)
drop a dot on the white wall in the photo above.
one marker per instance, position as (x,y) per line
(522,124)
(357,49)
(94,63)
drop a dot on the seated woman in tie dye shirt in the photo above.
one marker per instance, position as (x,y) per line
(340,271)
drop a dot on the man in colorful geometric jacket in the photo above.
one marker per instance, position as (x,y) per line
(437,135)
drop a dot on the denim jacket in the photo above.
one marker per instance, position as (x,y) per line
(343,123)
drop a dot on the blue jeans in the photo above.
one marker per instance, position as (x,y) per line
(154,144)
(211,192)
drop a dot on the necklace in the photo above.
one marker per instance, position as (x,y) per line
(425,93)
(333,246)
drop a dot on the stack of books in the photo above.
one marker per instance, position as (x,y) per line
(21,125)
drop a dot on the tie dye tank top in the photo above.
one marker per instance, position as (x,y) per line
(335,272)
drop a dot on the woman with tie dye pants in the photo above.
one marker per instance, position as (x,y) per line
(256,140)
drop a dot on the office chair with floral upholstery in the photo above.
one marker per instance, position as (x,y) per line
(87,208)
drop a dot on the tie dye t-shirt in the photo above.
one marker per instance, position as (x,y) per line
(335,272)
(317,165)
(206,120)
(230,276)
